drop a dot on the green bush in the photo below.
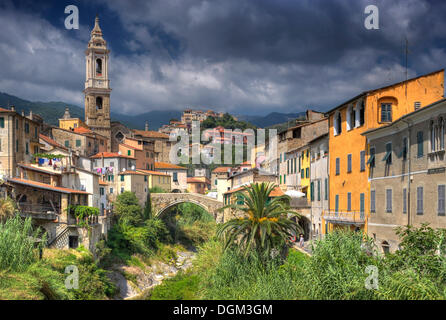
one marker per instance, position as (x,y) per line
(18,248)
(181,287)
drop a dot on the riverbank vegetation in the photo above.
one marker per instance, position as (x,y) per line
(344,265)
(24,275)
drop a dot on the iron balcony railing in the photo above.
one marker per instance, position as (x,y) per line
(344,216)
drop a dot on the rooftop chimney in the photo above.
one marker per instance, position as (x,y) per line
(146,127)
(12,108)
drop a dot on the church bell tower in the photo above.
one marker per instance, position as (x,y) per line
(97,84)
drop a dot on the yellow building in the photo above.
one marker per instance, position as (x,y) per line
(349,153)
(69,123)
(158,180)
(304,165)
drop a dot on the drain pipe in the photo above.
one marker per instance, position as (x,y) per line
(409,127)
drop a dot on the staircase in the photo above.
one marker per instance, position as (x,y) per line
(60,241)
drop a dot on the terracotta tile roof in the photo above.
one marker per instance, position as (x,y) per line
(165,165)
(5,110)
(150,134)
(196,180)
(132,172)
(30,167)
(155,173)
(45,186)
(82,130)
(221,169)
(52,142)
(110,155)
(131,147)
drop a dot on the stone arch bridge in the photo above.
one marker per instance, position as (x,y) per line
(161,202)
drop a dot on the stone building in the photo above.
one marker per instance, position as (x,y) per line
(159,140)
(19,140)
(81,140)
(143,151)
(407,174)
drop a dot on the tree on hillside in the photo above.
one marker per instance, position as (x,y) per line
(264,225)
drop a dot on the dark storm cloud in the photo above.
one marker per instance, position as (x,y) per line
(239,56)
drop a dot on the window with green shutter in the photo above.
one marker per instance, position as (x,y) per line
(67,143)
(2,122)
(78,143)
(284,178)
(240,200)
(441,200)
(337,203)
(326,189)
(280,179)
(288,167)
(307,170)
(312,191)
(122,177)
(26,148)
(145,178)
(338,161)
(420,200)
(319,190)
(302,173)
(129,153)
(420,144)
(362,203)
(349,201)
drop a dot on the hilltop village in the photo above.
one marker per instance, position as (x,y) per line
(372,163)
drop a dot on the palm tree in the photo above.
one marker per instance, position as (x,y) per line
(7,209)
(264,224)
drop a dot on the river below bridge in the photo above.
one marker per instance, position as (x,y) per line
(136,282)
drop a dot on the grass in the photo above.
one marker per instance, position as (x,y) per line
(45,279)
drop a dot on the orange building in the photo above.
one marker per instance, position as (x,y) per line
(141,150)
(349,153)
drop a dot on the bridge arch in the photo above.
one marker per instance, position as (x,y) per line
(163,210)
(161,202)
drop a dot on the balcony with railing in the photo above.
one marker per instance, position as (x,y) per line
(38,211)
(346,217)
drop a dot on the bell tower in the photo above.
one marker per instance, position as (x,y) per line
(97,84)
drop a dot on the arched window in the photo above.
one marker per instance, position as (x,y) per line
(432,135)
(99,67)
(99,103)
(441,132)
(350,118)
(337,123)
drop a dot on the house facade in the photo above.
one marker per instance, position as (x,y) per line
(407,174)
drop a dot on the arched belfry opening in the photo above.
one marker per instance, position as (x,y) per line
(98,103)
(99,67)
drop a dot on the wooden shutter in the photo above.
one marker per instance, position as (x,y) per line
(420,143)
(388,200)
(441,200)
(372,201)
(420,200)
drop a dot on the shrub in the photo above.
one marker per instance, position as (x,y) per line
(17,244)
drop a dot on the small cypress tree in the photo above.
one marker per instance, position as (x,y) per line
(148,207)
